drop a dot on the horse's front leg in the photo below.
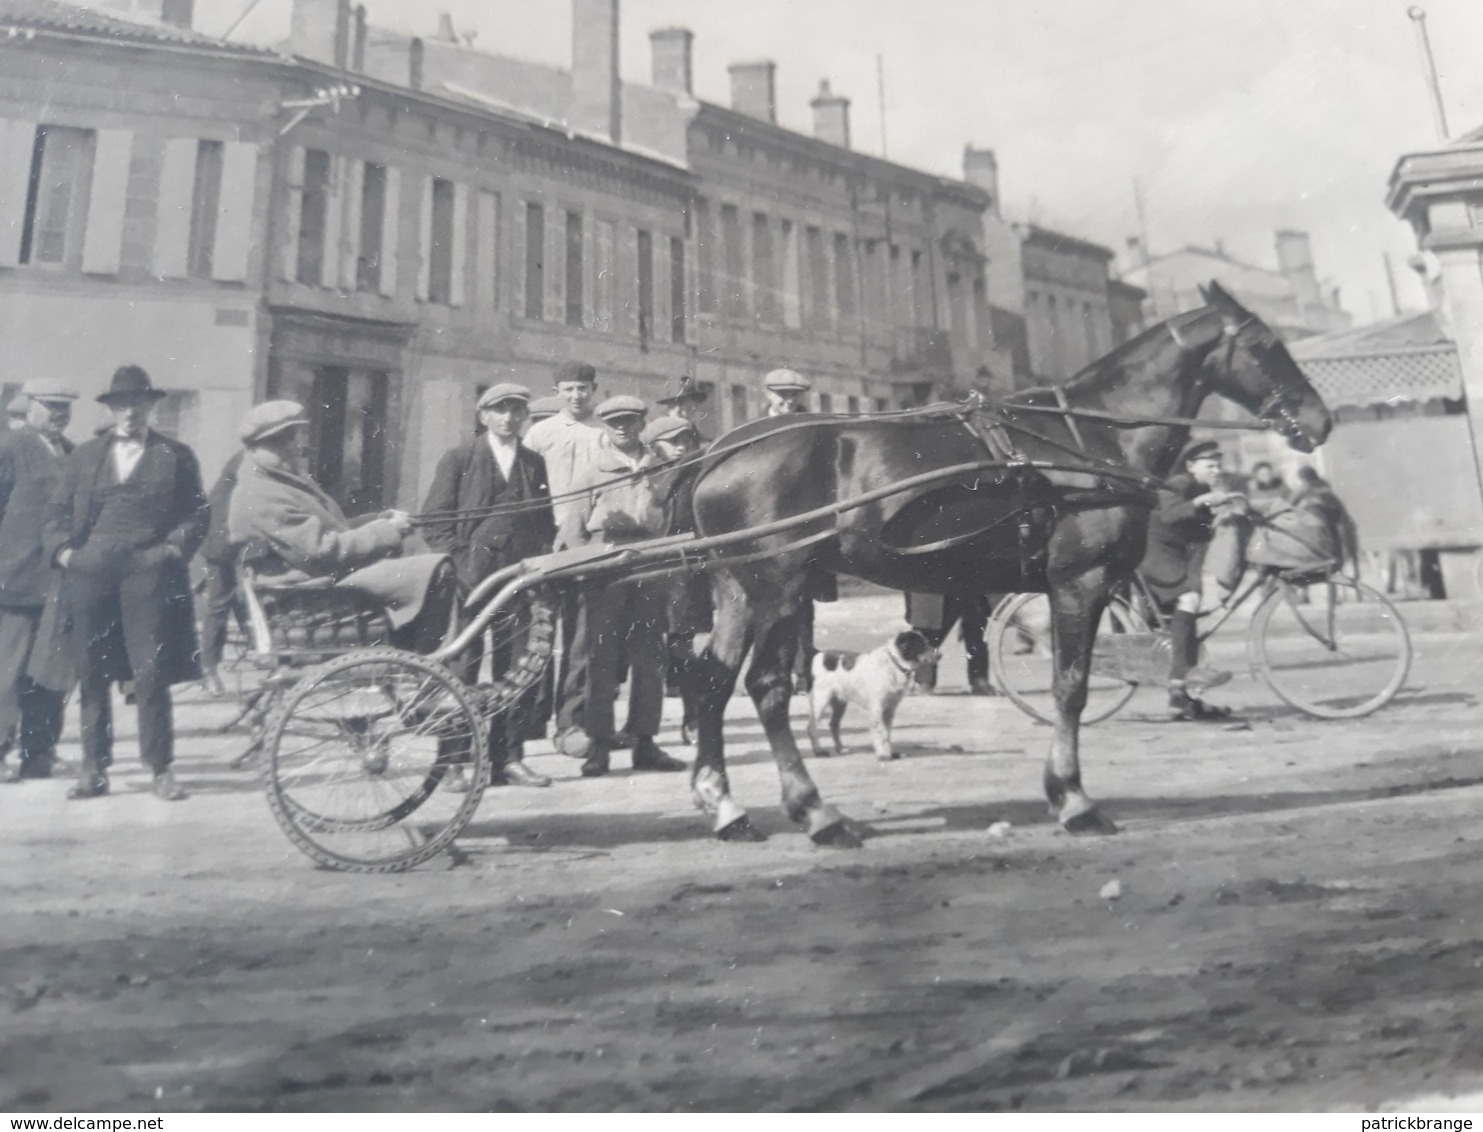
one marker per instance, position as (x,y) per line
(709,677)
(1076,608)
(770,683)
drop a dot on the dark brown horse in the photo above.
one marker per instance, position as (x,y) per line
(1066,512)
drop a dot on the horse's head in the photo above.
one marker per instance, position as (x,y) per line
(1253,368)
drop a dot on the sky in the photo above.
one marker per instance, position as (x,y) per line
(1234,120)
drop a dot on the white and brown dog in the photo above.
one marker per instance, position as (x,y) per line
(876,681)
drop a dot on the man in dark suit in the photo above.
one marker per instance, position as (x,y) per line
(31,460)
(494,470)
(124,522)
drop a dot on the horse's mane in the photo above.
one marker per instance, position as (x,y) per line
(1090,377)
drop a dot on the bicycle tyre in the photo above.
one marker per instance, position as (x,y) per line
(1027,681)
(1288,650)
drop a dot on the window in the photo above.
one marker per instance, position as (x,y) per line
(57,195)
(852,405)
(792,308)
(676,289)
(486,253)
(535,261)
(764,280)
(704,253)
(205,208)
(313,214)
(604,276)
(738,405)
(646,285)
(818,280)
(844,279)
(372,220)
(574,269)
(826,403)
(921,294)
(440,244)
(880,404)
(732,280)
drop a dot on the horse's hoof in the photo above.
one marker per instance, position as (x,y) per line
(837,836)
(1088,821)
(741,829)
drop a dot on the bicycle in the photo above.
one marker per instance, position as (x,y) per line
(1326,643)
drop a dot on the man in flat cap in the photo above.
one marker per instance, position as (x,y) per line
(31,461)
(291,531)
(786,391)
(122,526)
(495,471)
(624,620)
(1179,534)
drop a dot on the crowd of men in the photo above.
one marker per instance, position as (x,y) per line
(96,544)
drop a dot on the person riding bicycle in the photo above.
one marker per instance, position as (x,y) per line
(1179,534)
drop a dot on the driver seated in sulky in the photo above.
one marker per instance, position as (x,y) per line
(294,534)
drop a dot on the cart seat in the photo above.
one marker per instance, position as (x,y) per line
(310,621)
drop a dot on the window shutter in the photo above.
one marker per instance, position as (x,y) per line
(173,208)
(103,240)
(390,230)
(293,210)
(17,143)
(457,287)
(486,251)
(234,221)
(352,185)
(425,241)
(555,229)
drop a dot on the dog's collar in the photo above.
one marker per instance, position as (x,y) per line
(900,662)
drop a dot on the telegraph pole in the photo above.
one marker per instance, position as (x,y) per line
(1429,67)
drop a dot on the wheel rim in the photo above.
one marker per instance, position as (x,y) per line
(1020,653)
(1340,654)
(360,748)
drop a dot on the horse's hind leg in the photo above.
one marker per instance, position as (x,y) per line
(1076,608)
(710,678)
(770,685)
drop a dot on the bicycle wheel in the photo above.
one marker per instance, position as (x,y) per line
(1020,656)
(1335,648)
(357,751)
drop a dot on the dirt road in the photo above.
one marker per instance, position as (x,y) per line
(1297,927)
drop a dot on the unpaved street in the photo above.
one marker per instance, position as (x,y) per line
(1298,927)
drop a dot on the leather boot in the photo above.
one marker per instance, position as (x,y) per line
(648,756)
(595,765)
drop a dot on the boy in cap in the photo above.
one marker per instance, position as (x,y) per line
(495,470)
(786,392)
(624,620)
(122,526)
(1179,534)
(31,460)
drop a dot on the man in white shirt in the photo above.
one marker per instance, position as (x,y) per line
(572,443)
(491,471)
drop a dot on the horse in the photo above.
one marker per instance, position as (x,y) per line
(1054,496)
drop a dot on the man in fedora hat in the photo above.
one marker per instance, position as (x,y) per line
(686,403)
(124,522)
(495,473)
(31,460)
(291,531)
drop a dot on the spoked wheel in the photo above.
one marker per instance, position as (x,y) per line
(358,751)
(1334,648)
(1020,652)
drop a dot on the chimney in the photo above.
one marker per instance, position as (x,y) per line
(596,92)
(445,28)
(669,53)
(1295,261)
(358,40)
(321,31)
(754,89)
(177,12)
(831,116)
(981,169)
(414,64)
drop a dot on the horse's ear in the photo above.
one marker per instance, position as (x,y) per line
(1223,301)
(1204,294)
